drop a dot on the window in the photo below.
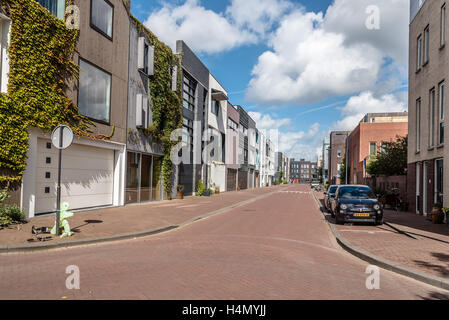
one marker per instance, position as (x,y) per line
(101,17)
(94,96)
(418,125)
(215,107)
(419,53)
(188,93)
(5,25)
(145,59)
(142,114)
(383,147)
(439,180)
(56,7)
(426,44)
(373,148)
(339,153)
(441,112)
(443,25)
(232,124)
(432,118)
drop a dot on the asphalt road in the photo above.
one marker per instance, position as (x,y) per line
(279,247)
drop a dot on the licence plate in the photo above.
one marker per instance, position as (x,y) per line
(361,214)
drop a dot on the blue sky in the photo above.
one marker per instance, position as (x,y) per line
(340,71)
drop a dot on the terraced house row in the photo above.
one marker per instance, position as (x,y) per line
(133,92)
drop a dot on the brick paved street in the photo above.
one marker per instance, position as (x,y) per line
(134,218)
(279,247)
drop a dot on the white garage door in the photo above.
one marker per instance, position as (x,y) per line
(87,177)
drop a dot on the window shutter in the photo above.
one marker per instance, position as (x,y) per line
(151,60)
(145,111)
(139,110)
(140,49)
(174,78)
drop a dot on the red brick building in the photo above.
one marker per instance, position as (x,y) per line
(368,138)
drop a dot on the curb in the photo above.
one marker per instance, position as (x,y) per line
(126,236)
(384,263)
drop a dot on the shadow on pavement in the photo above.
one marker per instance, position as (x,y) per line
(435,296)
(442,270)
(415,221)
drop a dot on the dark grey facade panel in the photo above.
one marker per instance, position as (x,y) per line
(192,63)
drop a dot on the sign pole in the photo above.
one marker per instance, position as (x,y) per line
(58,196)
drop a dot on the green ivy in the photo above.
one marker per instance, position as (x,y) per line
(167,112)
(41,66)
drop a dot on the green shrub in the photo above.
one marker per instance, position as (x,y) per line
(200,189)
(12,212)
(277,182)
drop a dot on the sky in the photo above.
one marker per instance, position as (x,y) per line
(303,67)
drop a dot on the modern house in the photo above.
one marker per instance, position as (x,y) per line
(195,95)
(232,147)
(336,154)
(93,170)
(368,139)
(217,119)
(243,175)
(428,164)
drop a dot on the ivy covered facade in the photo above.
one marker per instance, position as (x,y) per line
(82,77)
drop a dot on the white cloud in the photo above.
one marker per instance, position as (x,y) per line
(314,57)
(266,122)
(257,16)
(203,30)
(358,106)
(349,17)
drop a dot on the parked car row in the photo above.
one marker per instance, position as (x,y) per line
(353,203)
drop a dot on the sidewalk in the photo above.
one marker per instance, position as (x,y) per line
(129,220)
(428,252)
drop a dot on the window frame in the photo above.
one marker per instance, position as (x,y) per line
(441,111)
(419,53)
(443,25)
(432,96)
(108,123)
(418,125)
(93,26)
(426,43)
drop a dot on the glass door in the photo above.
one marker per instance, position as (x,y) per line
(145,178)
(439,181)
(132,177)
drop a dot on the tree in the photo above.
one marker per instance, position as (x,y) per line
(392,161)
(343,171)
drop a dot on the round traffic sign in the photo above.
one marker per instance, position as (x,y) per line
(62,137)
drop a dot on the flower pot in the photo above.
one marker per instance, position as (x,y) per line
(217,191)
(206,194)
(447,218)
(437,215)
(180,195)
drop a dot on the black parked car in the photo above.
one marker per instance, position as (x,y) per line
(328,196)
(354,203)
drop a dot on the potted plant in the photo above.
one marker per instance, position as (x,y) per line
(446,213)
(200,189)
(180,189)
(207,193)
(437,213)
(217,190)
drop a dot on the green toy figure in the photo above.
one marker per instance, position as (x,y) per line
(63,223)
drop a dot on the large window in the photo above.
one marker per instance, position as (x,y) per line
(419,53)
(439,181)
(102,12)
(373,149)
(215,107)
(188,93)
(233,125)
(432,118)
(56,7)
(418,125)
(443,25)
(442,98)
(94,100)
